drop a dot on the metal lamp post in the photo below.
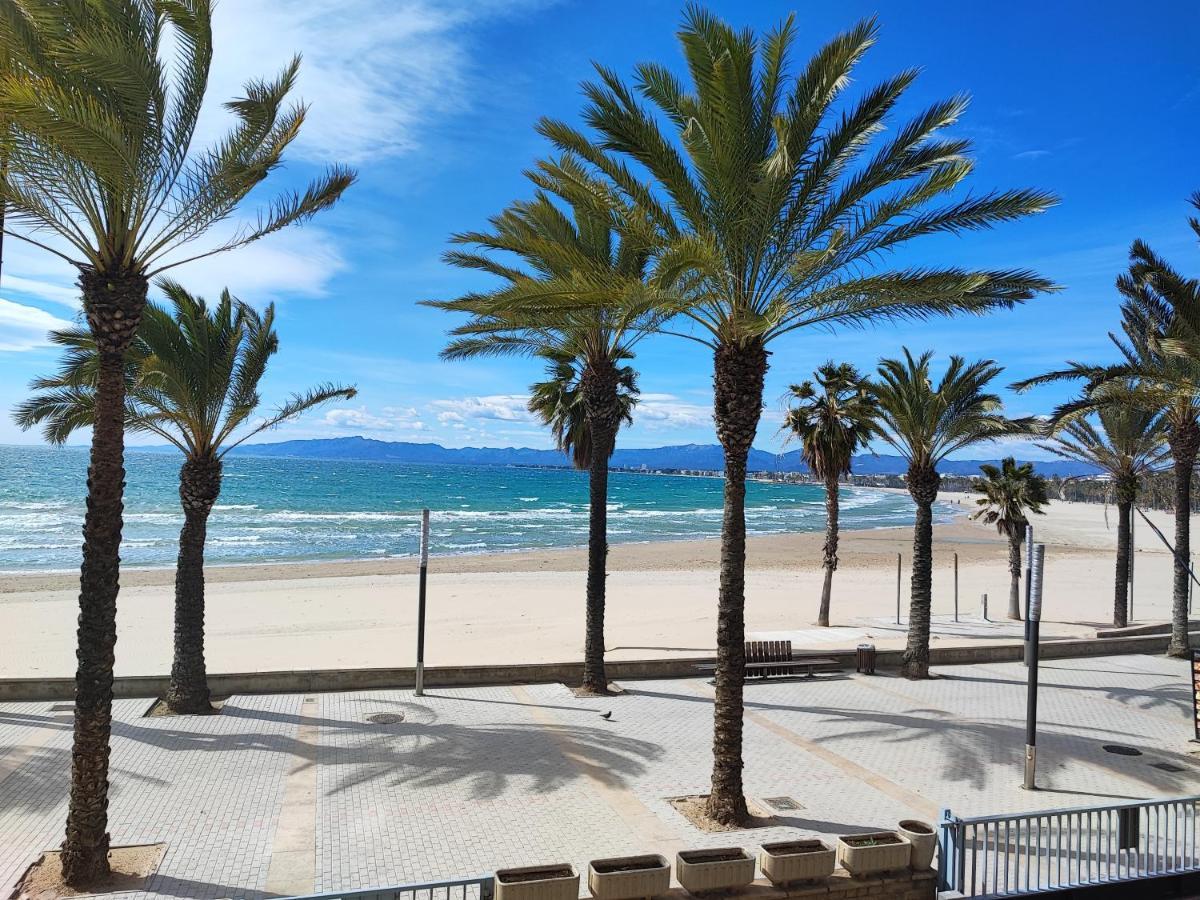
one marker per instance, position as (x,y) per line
(1034,622)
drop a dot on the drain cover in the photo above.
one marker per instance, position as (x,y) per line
(1169,767)
(782,803)
(386,718)
(1122,750)
(63,707)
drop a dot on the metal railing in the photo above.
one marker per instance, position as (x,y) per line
(477,888)
(1034,852)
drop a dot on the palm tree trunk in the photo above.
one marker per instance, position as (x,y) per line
(113,304)
(1014,571)
(1121,594)
(831,547)
(738,374)
(923,484)
(199,487)
(1184,443)
(599,384)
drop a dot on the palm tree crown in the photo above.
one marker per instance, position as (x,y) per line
(192,377)
(108,169)
(833,419)
(1010,493)
(559,403)
(926,423)
(1128,445)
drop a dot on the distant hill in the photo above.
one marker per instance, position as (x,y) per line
(707,457)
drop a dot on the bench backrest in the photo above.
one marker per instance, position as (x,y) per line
(769,651)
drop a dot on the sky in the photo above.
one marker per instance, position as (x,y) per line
(434,103)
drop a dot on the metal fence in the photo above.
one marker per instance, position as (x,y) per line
(477,888)
(1028,853)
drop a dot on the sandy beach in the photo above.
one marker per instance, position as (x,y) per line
(528,607)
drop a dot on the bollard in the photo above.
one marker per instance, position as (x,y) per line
(955,585)
(983,603)
(897,588)
(420,680)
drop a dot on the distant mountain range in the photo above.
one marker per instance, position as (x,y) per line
(706,457)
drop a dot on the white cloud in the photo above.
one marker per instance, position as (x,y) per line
(499,407)
(375,74)
(25,327)
(361,419)
(44,290)
(665,411)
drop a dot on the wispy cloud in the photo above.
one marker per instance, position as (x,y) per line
(1031,154)
(25,327)
(375,74)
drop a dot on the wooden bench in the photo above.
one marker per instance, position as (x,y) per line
(767,658)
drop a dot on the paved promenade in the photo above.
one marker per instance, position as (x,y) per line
(291,794)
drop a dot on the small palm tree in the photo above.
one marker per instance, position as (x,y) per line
(99,133)
(833,419)
(925,423)
(580,302)
(774,214)
(192,377)
(1128,445)
(1010,493)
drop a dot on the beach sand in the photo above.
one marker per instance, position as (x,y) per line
(528,607)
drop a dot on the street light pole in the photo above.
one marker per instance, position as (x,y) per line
(420,684)
(1028,579)
(1031,657)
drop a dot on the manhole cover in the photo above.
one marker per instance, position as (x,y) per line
(782,803)
(1122,750)
(386,718)
(63,707)
(1169,767)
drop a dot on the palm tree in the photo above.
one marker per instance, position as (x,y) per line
(579,300)
(926,423)
(1128,446)
(101,173)
(192,377)
(1010,494)
(1160,374)
(773,218)
(832,424)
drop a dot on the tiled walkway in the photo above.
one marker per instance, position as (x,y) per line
(283,794)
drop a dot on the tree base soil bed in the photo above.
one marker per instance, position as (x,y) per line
(132,868)
(160,709)
(693,808)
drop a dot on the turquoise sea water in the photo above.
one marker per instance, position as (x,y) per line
(285,509)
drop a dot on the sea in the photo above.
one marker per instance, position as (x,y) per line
(281,509)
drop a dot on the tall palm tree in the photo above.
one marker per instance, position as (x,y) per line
(577,297)
(1010,494)
(102,174)
(773,217)
(925,423)
(192,377)
(1159,373)
(833,419)
(1128,445)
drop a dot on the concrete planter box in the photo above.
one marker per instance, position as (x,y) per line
(924,842)
(709,871)
(793,862)
(870,854)
(553,882)
(629,877)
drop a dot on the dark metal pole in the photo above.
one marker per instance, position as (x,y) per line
(955,585)
(1031,655)
(421,602)
(897,588)
(1028,579)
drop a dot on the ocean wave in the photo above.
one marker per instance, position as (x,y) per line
(223,507)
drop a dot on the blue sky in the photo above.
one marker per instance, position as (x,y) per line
(435,103)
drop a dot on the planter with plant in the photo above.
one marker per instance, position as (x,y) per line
(629,877)
(719,869)
(552,882)
(924,842)
(871,854)
(794,862)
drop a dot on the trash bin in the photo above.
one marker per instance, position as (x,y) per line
(865,659)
